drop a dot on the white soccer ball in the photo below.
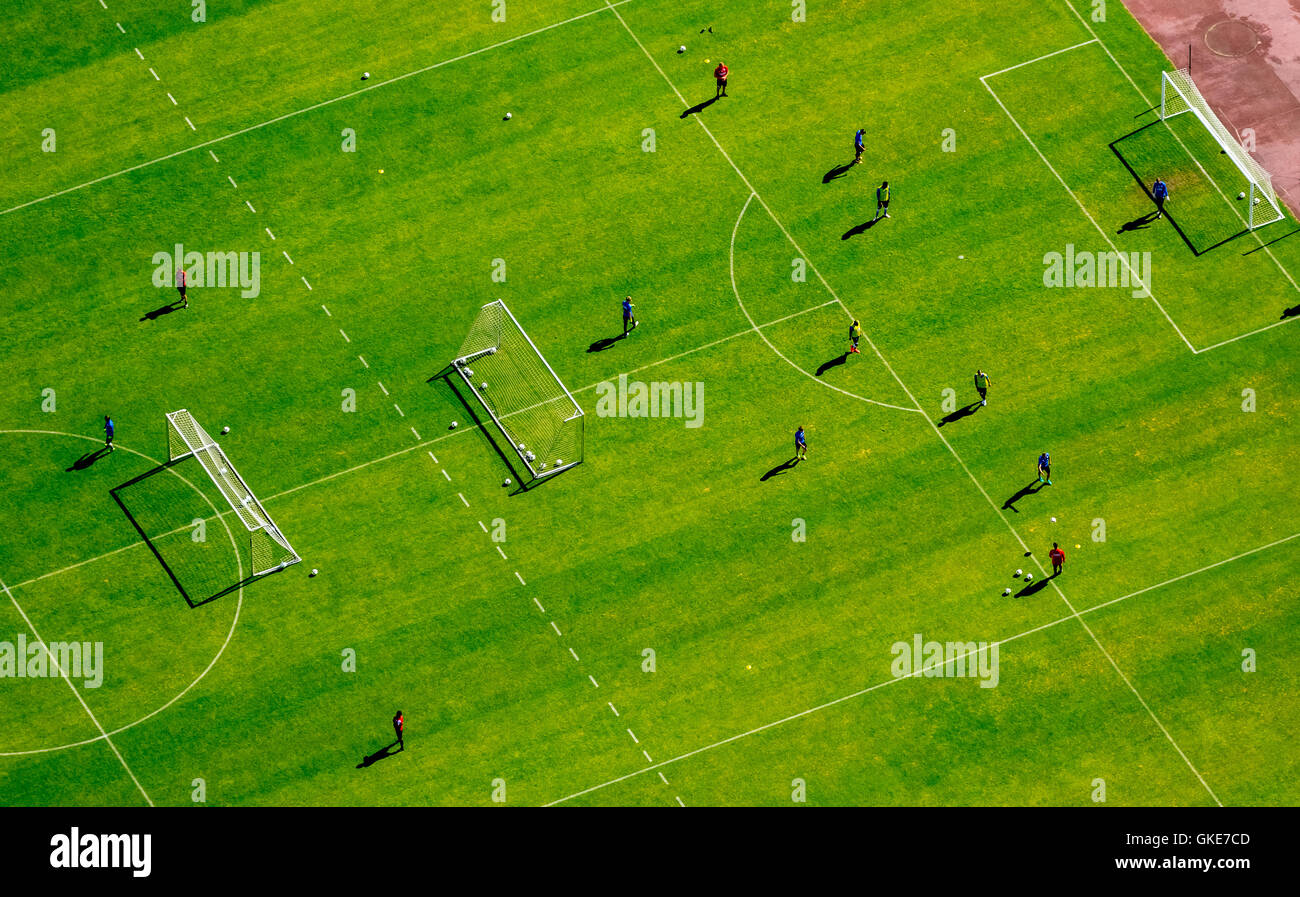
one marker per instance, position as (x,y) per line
(507,482)
(1006,591)
(509,115)
(469,372)
(482,384)
(1020,573)
(1028,577)
(559,462)
(365,75)
(492,350)
(1053,519)
(682,48)
(225,430)
(521,446)
(314,571)
(454,425)
(1256,200)
(1241,195)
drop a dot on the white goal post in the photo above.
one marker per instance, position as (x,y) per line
(1179,94)
(270,549)
(532,408)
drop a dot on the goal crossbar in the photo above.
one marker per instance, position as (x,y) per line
(270,549)
(1179,94)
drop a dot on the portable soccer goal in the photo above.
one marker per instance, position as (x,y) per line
(271,551)
(535,412)
(1179,94)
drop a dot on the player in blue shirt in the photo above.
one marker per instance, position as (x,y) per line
(629,320)
(108,433)
(857,146)
(1160,190)
(1045,468)
(800,444)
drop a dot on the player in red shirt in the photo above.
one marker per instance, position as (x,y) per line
(399,723)
(720,75)
(1058,559)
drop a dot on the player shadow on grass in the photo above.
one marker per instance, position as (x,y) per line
(861,228)
(164,310)
(1137,223)
(88,459)
(382,754)
(837,172)
(1291,312)
(959,413)
(833,363)
(1033,587)
(781,468)
(700,107)
(1029,489)
(605,342)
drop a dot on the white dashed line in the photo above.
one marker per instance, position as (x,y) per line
(345,336)
(250,207)
(539,605)
(502,553)
(647,756)
(480,523)
(447,477)
(679,802)
(327,313)
(363,362)
(382,387)
(272,236)
(286,256)
(416,435)
(462,497)
(138,53)
(612,707)
(556,628)
(119,27)
(155,74)
(400,412)
(232,182)
(661,777)
(435,461)
(172,98)
(593,680)
(575,655)
(215,159)
(304,280)
(520,578)
(190,123)
(103,4)
(635,740)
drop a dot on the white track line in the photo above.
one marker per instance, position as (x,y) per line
(84,706)
(993,505)
(305,109)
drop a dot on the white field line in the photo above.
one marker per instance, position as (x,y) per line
(992,505)
(840,700)
(1123,257)
(1012,68)
(84,706)
(736,290)
(305,109)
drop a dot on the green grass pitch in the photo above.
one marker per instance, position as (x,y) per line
(684,617)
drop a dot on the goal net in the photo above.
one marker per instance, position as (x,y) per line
(1179,94)
(533,410)
(270,549)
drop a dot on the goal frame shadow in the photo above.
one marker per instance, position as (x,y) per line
(162,561)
